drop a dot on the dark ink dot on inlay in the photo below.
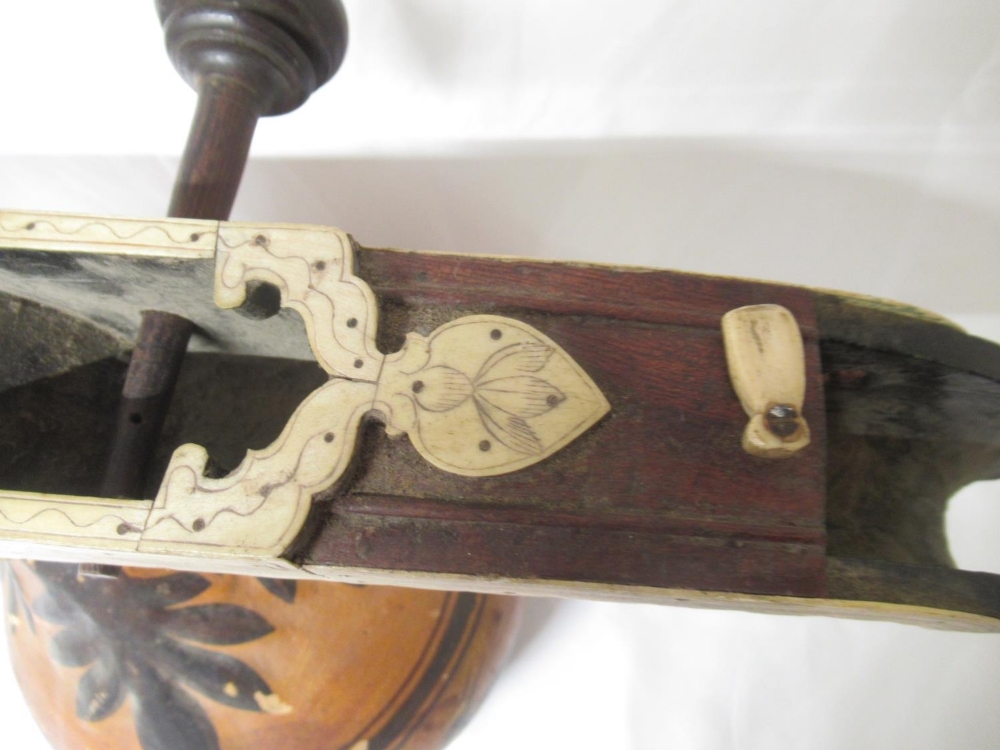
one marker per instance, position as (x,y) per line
(328,437)
(352,322)
(418,385)
(199,524)
(495,334)
(195,237)
(484,445)
(358,363)
(320,265)
(30,225)
(552,399)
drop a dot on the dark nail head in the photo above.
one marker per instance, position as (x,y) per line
(782,420)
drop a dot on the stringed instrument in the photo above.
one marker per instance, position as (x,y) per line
(499,425)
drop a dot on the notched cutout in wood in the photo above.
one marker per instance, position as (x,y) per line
(766,361)
(263,301)
(312,267)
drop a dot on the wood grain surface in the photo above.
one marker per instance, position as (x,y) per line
(659,493)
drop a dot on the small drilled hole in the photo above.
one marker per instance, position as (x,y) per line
(199,524)
(30,225)
(328,437)
(195,237)
(552,399)
(484,445)
(352,322)
(260,240)
(358,363)
(418,385)
(123,529)
(319,265)
(495,334)
(135,418)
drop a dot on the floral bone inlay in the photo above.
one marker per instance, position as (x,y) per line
(486,395)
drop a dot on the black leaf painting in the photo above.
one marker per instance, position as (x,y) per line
(135,640)
(282,588)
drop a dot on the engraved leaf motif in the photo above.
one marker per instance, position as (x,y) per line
(523,396)
(509,429)
(516,359)
(527,397)
(441,388)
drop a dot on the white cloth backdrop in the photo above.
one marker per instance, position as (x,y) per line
(844,145)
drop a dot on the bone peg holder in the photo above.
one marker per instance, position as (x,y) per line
(766,363)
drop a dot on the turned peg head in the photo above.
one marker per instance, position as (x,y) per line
(281,50)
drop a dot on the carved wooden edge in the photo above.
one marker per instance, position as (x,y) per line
(766,360)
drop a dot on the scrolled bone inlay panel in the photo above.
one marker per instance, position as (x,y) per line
(480,396)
